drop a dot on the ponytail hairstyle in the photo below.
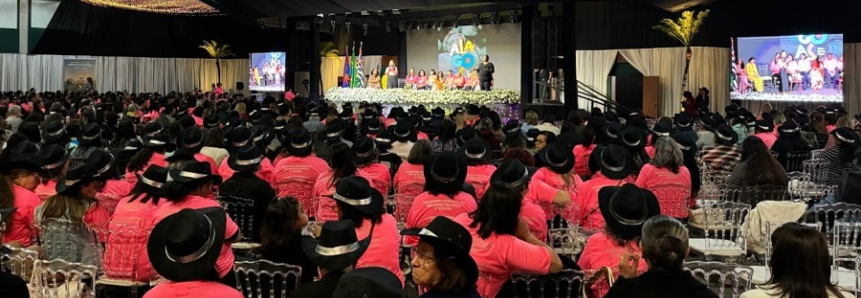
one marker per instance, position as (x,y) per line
(664,243)
(142,158)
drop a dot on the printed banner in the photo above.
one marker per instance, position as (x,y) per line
(79,74)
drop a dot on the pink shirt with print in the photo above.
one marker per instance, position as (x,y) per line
(141,217)
(409,180)
(581,159)
(22,229)
(385,245)
(379,176)
(587,201)
(556,182)
(321,196)
(500,255)
(192,289)
(295,176)
(226,258)
(673,190)
(479,177)
(264,173)
(427,206)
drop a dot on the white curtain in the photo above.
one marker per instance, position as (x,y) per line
(133,74)
(593,67)
(852,73)
(710,69)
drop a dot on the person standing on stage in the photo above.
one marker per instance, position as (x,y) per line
(392,75)
(485,73)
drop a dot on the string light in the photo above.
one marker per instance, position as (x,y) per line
(178,7)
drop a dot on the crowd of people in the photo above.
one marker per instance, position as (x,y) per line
(473,196)
(788,73)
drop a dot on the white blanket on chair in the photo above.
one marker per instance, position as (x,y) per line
(775,213)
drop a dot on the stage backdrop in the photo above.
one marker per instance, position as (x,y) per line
(78,74)
(462,48)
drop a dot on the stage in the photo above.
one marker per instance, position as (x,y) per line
(409,97)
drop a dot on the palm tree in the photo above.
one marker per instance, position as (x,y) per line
(217,51)
(328,50)
(684,31)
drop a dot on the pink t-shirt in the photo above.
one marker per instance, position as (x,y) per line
(534,217)
(379,176)
(422,81)
(205,158)
(479,178)
(421,136)
(156,159)
(46,190)
(587,201)
(225,259)
(113,191)
(581,160)
(264,173)
(198,121)
(142,217)
(672,190)
(22,229)
(412,79)
(767,138)
(321,196)
(601,251)
(427,206)
(650,151)
(383,251)
(389,121)
(409,180)
(192,289)
(556,182)
(295,176)
(500,255)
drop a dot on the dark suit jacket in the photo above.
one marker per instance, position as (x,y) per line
(653,284)
(323,288)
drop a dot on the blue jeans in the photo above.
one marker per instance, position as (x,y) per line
(805,80)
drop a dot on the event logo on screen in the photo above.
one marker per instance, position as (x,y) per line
(461,51)
(267,71)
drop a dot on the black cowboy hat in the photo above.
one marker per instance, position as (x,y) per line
(611,117)
(299,142)
(373,125)
(337,247)
(54,131)
(181,154)
(512,172)
(54,156)
(263,135)
(445,171)
(404,132)
(364,149)
(682,120)
(557,157)
(152,129)
(765,125)
(451,240)
(77,175)
(156,140)
(358,193)
(153,179)
(246,158)
(185,246)
(6,212)
(633,137)
(383,139)
(725,135)
(374,282)
(615,162)
(661,130)
(346,114)
(416,120)
(102,160)
(465,134)
(192,138)
(240,137)
(512,128)
(846,135)
(437,113)
(531,135)
(684,142)
(334,129)
(626,208)
(476,149)
(31,130)
(193,171)
(90,135)
(368,114)
(613,129)
(212,121)
(788,129)
(31,161)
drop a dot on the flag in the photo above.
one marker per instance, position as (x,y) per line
(354,80)
(360,72)
(347,74)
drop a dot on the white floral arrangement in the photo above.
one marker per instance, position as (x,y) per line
(760,96)
(416,97)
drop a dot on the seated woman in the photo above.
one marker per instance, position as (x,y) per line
(247,185)
(795,247)
(665,246)
(366,156)
(445,175)
(422,81)
(374,79)
(441,262)
(479,168)
(472,83)
(281,233)
(668,178)
(615,169)
(114,188)
(55,158)
(19,176)
(360,203)
(409,179)
(501,244)
(625,210)
(757,167)
(558,172)
(187,235)
(840,157)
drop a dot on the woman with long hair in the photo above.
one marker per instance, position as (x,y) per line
(757,167)
(374,79)
(841,156)
(668,178)
(817,128)
(797,246)
(446,138)
(501,243)
(19,176)
(213,144)
(280,236)
(55,159)
(190,187)
(409,179)
(664,243)
(125,132)
(153,153)
(558,172)
(341,166)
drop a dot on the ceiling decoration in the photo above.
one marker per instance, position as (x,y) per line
(176,7)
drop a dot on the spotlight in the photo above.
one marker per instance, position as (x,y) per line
(388,26)
(512,16)
(365,28)
(396,11)
(347,24)
(365,13)
(401,26)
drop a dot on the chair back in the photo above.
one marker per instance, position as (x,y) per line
(403,203)
(816,169)
(795,160)
(265,279)
(720,276)
(847,241)
(241,210)
(754,194)
(63,279)
(816,154)
(122,252)
(299,188)
(723,228)
(674,202)
(568,241)
(18,261)
(769,247)
(565,284)
(70,241)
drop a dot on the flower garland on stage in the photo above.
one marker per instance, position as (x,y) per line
(416,97)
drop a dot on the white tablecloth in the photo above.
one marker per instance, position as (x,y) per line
(845,277)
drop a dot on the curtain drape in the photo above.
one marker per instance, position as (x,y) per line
(332,68)
(133,74)
(592,70)
(852,73)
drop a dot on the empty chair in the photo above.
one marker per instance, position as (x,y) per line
(68,240)
(722,278)
(565,284)
(241,210)
(122,262)
(63,279)
(265,279)
(724,236)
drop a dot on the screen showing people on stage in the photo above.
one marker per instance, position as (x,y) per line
(805,67)
(267,71)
